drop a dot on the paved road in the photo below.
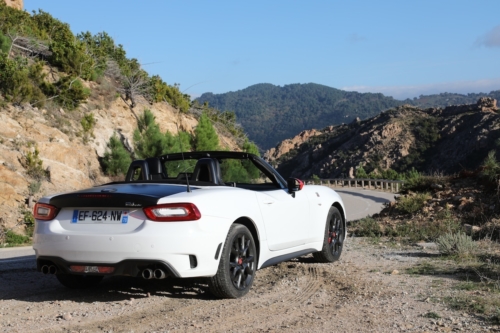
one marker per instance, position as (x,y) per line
(359,203)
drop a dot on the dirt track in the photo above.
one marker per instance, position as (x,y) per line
(360,293)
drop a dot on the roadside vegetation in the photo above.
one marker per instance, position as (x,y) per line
(68,76)
(460,214)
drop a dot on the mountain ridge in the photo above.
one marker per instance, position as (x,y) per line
(271,113)
(431,140)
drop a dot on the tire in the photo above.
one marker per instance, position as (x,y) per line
(237,264)
(334,238)
(79,281)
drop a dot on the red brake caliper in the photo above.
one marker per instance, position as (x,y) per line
(332,235)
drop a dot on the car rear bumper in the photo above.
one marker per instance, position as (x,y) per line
(175,245)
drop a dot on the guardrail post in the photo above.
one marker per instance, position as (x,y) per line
(378,184)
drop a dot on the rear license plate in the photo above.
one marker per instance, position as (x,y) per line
(100,216)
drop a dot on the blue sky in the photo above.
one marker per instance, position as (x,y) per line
(401,48)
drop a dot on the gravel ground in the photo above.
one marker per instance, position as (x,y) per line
(366,291)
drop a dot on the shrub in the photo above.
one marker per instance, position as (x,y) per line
(458,244)
(34,165)
(116,159)
(427,230)
(149,141)
(4,43)
(12,238)
(18,81)
(205,135)
(34,187)
(71,92)
(491,167)
(410,204)
(29,222)
(88,122)
(315,179)
(361,173)
(367,227)
(390,174)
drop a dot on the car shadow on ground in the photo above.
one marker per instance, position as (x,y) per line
(34,287)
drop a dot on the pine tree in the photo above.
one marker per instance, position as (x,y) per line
(149,141)
(250,147)
(205,136)
(116,159)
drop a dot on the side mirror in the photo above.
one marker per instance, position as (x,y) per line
(294,185)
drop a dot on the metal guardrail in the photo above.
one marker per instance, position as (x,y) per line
(372,184)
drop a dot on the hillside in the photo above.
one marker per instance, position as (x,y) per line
(62,103)
(448,99)
(431,140)
(270,113)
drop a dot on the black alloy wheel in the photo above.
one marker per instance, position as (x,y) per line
(237,265)
(333,239)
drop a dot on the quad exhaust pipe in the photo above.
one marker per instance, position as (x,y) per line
(160,274)
(46,269)
(148,274)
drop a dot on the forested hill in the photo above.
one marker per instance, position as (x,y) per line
(270,114)
(447,99)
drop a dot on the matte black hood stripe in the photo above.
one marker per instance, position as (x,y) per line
(117,195)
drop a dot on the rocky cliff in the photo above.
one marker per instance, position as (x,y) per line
(68,156)
(436,139)
(17,4)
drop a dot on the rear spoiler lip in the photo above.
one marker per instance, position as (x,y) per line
(124,195)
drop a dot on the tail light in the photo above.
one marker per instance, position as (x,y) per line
(173,212)
(45,212)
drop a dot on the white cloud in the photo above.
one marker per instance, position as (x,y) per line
(403,92)
(490,39)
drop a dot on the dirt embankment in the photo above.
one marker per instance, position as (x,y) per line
(368,290)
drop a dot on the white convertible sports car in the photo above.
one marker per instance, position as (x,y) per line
(220,215)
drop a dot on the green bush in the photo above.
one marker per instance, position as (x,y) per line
(116,159)
(315,179)
(70,92)
(34,187)
(367,227)
(205,135)
(34,165)
(4,43)
(29,222)
(415,231)
(149,141)
(361,173)
(159,91)
(12,238)
(410,204)
(88,122)
(458,244)
(491,167)
(19,82)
